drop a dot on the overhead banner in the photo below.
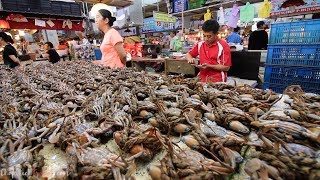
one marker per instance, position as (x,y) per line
(285,7)
(58,25)
(163,26)
(163,17)
(150,25)
(228,11)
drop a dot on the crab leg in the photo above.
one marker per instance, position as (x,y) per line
(41,135)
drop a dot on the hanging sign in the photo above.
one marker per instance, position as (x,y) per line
(40,23)
(287,7)
(16,18)
(163,17)
(150,25)
(50,23)
(228,13)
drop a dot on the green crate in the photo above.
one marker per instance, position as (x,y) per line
(196,1)
(194,5)
(191,6)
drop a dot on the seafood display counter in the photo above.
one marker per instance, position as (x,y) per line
(77,120)
(37,61)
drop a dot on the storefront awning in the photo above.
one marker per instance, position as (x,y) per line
(58,25)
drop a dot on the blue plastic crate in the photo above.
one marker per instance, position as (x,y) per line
(308,78)
(294,55)
(301,32)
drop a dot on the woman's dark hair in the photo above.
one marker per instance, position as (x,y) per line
(6,37)
(49,44)
(76,39)
(211,26)
(107,14)
(236,29)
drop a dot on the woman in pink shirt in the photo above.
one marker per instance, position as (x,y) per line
(113,53)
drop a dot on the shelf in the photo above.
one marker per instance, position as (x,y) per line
(196,11)
(213,6)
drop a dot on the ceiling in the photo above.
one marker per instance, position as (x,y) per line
(161,6)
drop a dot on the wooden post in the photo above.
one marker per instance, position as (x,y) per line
(182,17)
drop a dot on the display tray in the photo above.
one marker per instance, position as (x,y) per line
(78,120)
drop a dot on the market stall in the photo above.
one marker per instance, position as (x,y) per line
(79,120)
(30,31)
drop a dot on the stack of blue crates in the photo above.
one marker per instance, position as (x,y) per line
(294,56)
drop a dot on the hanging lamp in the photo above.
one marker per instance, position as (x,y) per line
(4,24)
(95,8)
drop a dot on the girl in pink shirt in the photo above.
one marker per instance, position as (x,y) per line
(113,53)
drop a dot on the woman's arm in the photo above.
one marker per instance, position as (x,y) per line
(45,55)
(121,52)
(14,59)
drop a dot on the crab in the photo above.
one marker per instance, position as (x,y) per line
(19,158)
(287,127)
(53,127)
(187,164)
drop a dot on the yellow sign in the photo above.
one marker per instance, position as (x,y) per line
(163,17)
(207,15)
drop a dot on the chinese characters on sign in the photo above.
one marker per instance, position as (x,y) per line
(309,6)
(163,17)
(150,25)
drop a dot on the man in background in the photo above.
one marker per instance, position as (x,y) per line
(172,39)
(234,37)
(258,39)
(51,53)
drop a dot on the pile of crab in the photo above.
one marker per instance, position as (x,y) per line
(73,120)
